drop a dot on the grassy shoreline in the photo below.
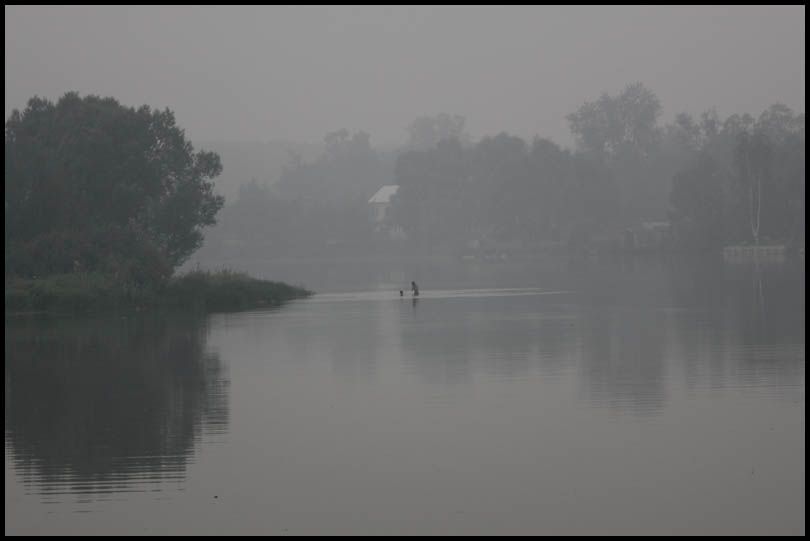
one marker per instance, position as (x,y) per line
(220,291)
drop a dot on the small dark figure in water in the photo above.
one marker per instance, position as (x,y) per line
(401,293)
(415,289)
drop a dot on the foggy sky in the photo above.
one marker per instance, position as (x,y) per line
(295,73)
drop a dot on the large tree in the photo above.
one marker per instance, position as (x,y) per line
(754,158)
(95,185)
(622,132)
(740,179)
(698,204)
(348,169)
(615,125)
(426,132)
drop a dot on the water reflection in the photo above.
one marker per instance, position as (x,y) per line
(646,325)
(448,340)
(110,404)
(623,358)
(636,394)
(630,330)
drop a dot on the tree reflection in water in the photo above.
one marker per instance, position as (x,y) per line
(92,403)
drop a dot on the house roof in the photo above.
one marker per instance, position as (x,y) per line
(384,194)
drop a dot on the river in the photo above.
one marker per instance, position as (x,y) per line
(535,397)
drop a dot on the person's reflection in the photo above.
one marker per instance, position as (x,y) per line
(414,301)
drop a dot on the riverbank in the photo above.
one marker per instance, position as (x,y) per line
(210,291)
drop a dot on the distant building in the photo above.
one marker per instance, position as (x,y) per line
(380,202)
(651,236)
(771,253)
(379,205)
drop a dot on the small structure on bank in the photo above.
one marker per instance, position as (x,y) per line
(379,206)
(649,237)
(772,253)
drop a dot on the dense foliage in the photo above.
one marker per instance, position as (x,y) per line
(93,186)
(715,182)
(694,183)
(78,292)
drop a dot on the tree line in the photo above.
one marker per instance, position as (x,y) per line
(713,181)
(716,181)
(96,186)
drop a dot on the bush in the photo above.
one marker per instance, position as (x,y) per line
(204,291)
(227,290)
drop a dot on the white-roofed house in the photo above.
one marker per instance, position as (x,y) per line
(379,204)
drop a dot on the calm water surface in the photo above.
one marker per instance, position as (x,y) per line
(510,398)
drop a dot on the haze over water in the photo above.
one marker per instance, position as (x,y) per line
(655,402)
(603,208)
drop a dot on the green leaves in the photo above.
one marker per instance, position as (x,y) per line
(122,180)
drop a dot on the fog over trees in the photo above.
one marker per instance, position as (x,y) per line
(88,176)
(506,130)
(706,180)
(96,186)
(405,269)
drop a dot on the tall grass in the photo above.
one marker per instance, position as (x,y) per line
(222,290)
(227,290)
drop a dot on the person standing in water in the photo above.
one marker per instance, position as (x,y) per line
(415,289)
